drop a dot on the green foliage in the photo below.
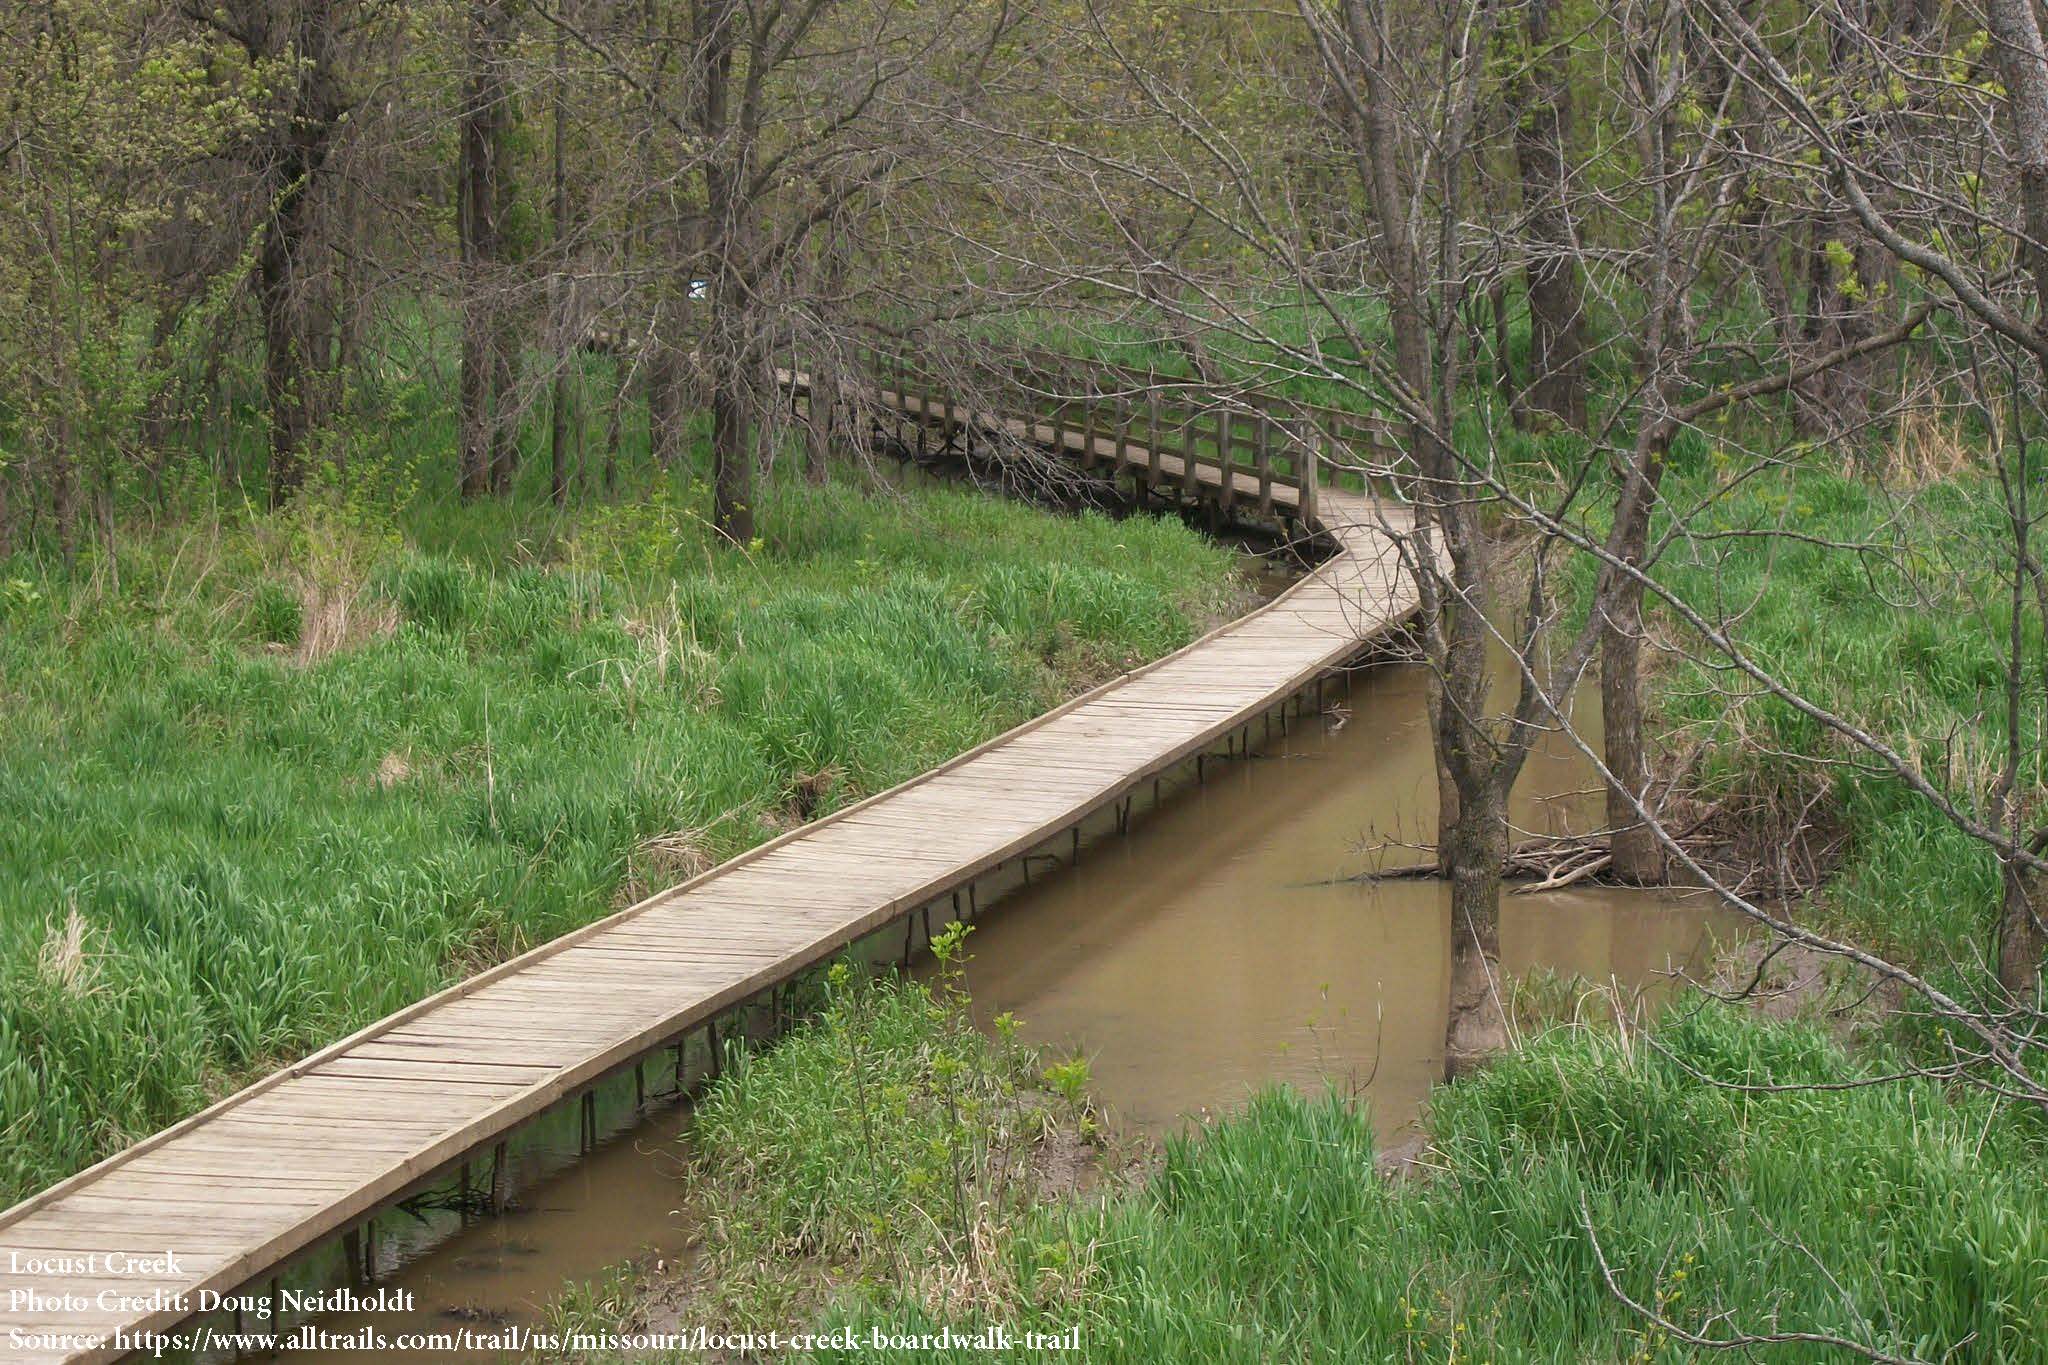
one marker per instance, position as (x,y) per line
(1898,1216)
(1904,638)
(274,614)
(886,1136)
(265,781)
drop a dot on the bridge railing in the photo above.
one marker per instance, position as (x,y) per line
(1357,446)
(1172,433)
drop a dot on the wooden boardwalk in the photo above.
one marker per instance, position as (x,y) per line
(310,1150)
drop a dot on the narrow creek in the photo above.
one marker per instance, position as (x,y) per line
(1227,941)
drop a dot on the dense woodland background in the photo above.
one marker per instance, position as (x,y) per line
(1709,338)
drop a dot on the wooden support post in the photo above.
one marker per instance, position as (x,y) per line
(1190,479)
(589,1120)
(1087,435)
(500,1178)
(369,1250)
(1152,454)
(1226,479)
(1262,460)
(909,924)
(973,900)
(462,1191)
(1123,432)
(1076,854)
(711,1045)
(678,1050)
(352,1255)
(639,1087)
(276,1307)
(926,916)
(1311,461)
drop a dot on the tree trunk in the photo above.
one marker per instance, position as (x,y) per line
(1638,856)
(63,465)
(287,371)
(732,454)
(288,286)
(484,454)
(2018,49)
(823,421)
(1377,154)
(504,411)
(2022,941)
(667,413)
(1477,1026)
(733,341)
(565,350)
(1557,360)
(1503,362)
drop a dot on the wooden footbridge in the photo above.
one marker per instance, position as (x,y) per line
(232,1197)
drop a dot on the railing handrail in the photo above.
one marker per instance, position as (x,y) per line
(1269,428)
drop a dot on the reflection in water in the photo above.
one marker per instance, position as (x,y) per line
(1222,945)
(572,1220)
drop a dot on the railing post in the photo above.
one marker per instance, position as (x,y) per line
(1123,428)
(1262,460)
(1088,432)
(1311,468)
(1226,480)
(1152,422)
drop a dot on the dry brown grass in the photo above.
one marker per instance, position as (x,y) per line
(337,616)
(662,861)
(394,769)
(66,959)
(1927,446)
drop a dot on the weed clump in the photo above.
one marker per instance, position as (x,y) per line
(889,1145)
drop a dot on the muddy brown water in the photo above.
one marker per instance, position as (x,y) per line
(1227,942)
(1231,941)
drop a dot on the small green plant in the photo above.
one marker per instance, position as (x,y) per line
(1069,1080)
(275,616)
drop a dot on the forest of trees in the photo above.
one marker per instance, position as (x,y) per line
(1564,247)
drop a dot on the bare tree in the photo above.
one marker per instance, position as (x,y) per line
(488,423)
(1540,99)
(2009,309)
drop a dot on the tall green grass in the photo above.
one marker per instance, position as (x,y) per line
(265,778)
(1899,1217)
(1905,638)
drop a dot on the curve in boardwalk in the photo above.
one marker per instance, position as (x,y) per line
(305,1152)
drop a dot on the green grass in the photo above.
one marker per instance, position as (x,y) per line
(1900,1216)
(1906,640)
(224,846)
(887,1143)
